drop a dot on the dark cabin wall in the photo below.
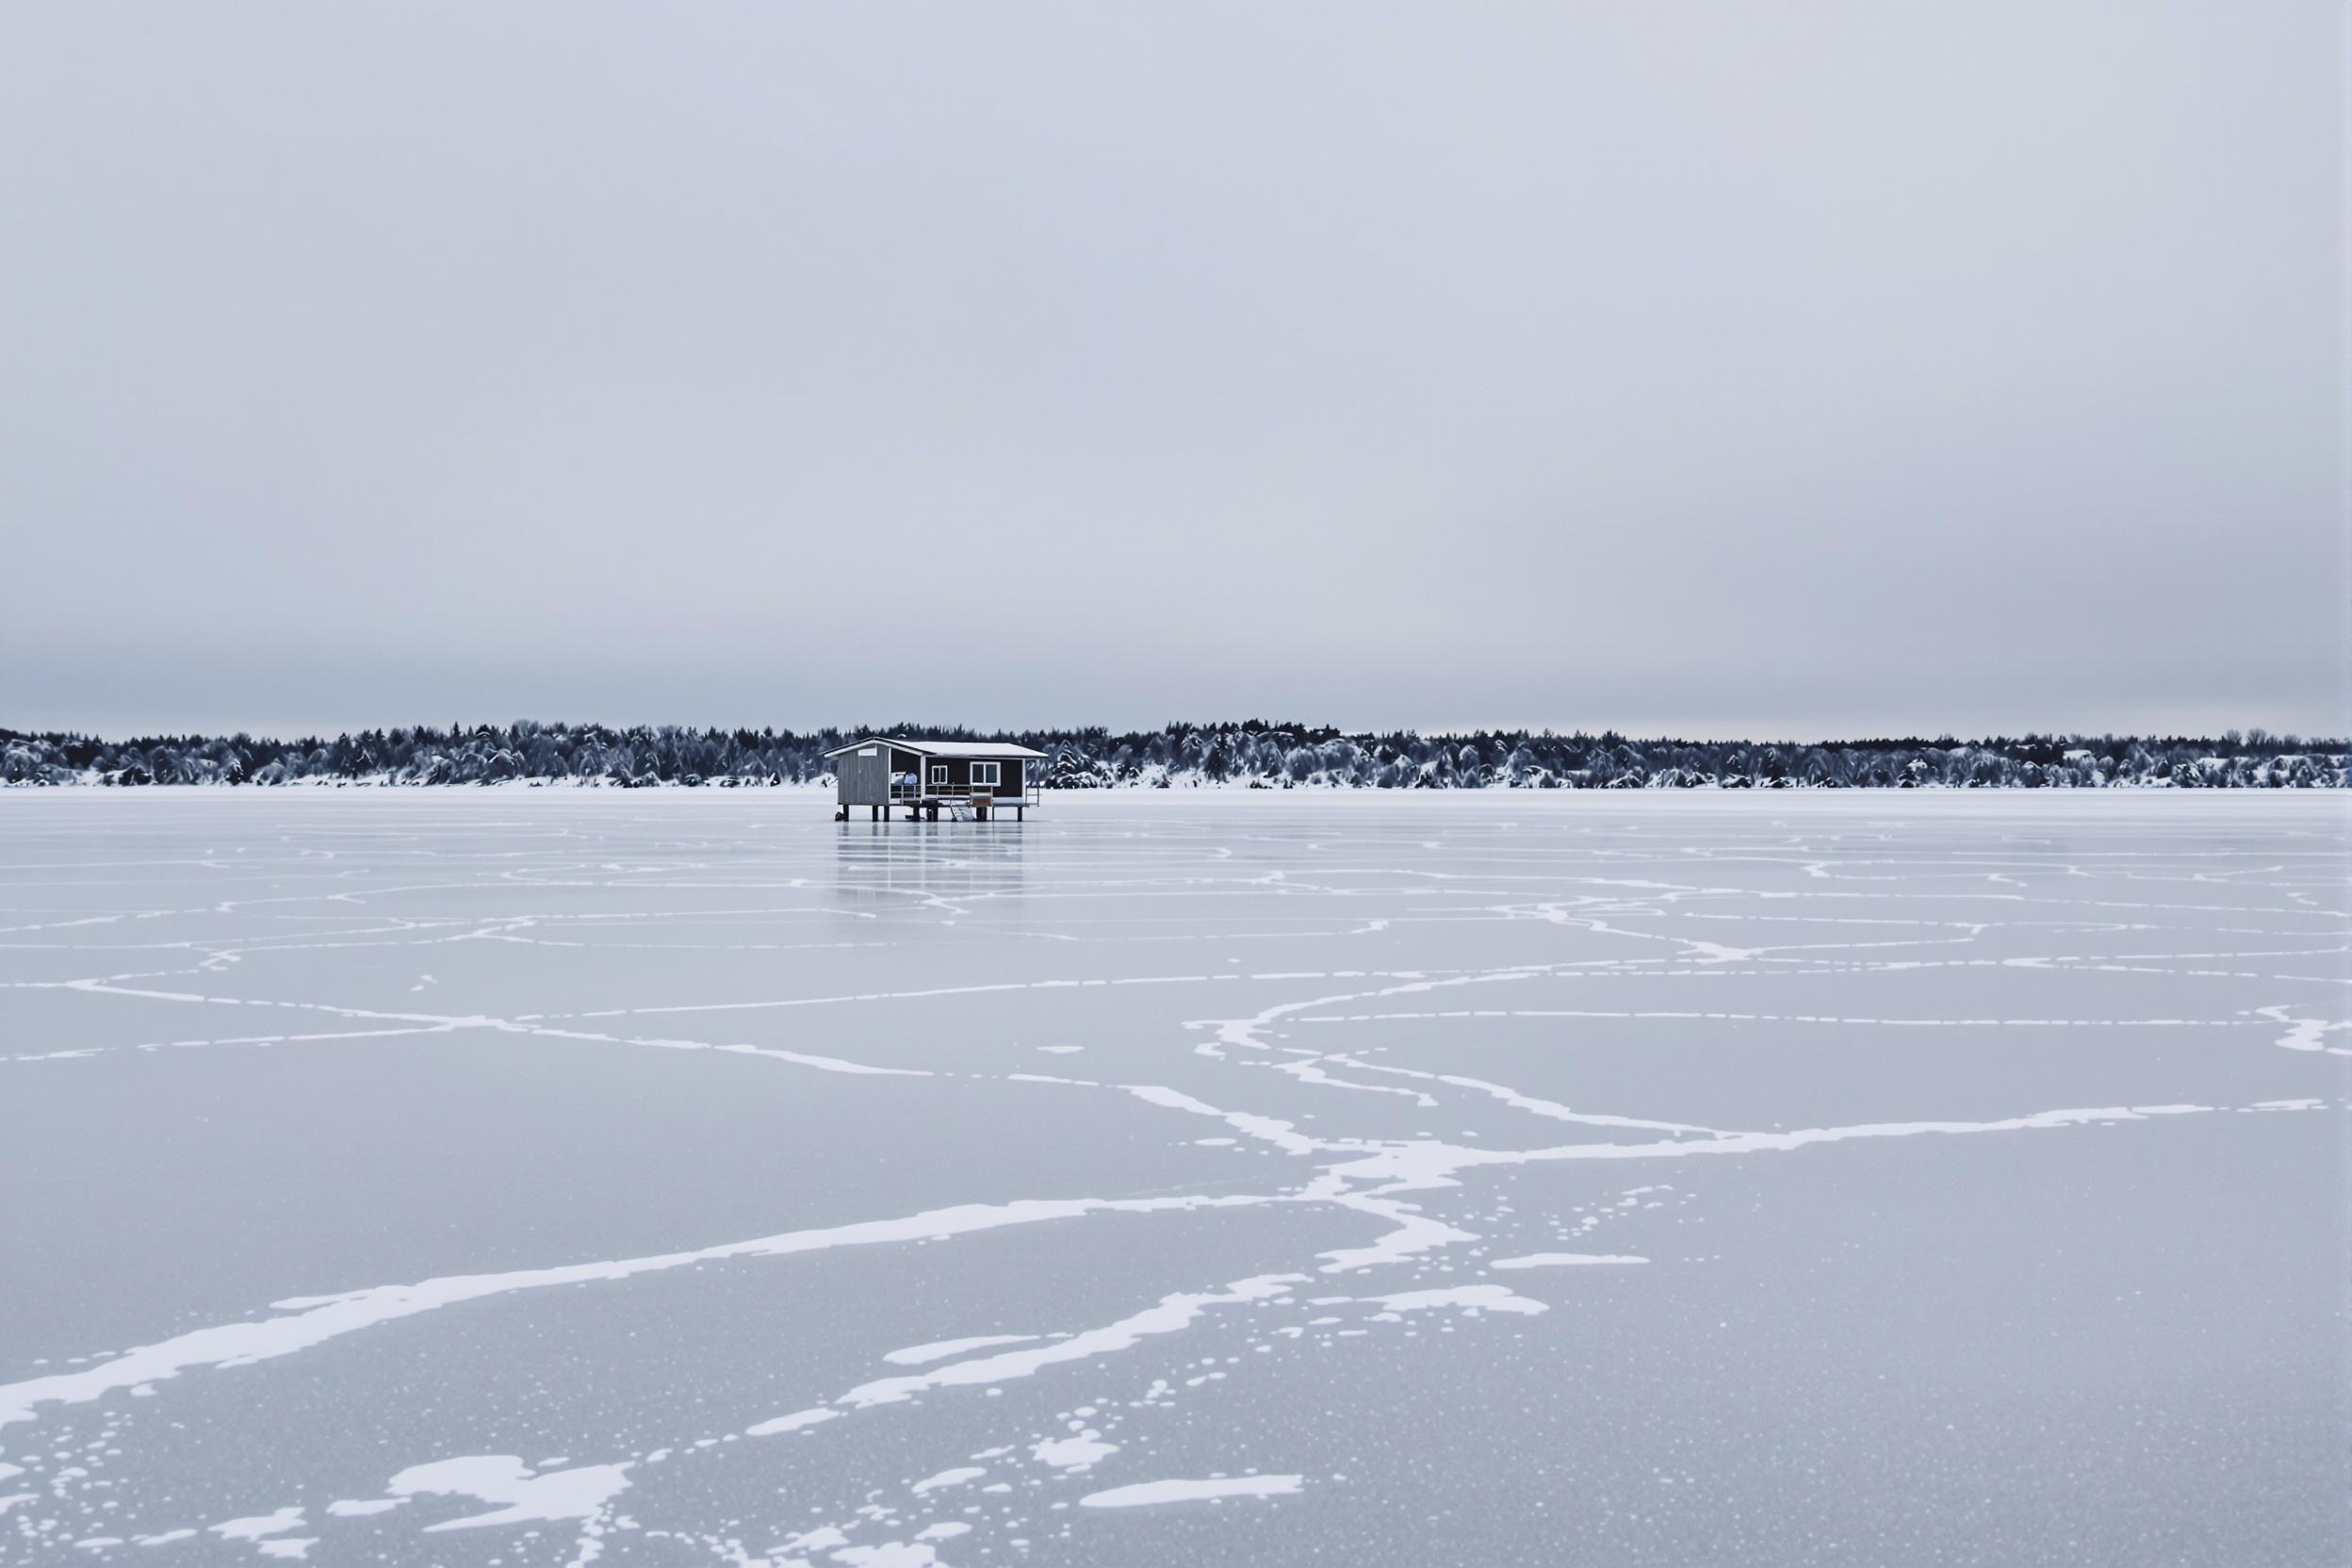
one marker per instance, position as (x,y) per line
(1008,774)
(1007,779)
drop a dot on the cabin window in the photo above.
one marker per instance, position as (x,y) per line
(939,772)
(986,773)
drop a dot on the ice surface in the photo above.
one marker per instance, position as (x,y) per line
(1938,1178)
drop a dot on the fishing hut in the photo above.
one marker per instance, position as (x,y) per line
(970,781)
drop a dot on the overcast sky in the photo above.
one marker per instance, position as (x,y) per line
(1775,370)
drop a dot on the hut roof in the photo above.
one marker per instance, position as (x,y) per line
(983,749)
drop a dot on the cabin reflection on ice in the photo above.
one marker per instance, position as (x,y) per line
(881,868)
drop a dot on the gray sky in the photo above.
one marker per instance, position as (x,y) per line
(1789,369)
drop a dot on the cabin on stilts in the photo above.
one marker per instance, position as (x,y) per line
(970,781)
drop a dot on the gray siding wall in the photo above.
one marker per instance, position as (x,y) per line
(863,780)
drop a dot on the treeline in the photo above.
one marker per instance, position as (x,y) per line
(1251,755)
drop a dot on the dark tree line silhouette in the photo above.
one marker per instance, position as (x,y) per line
(1254,755)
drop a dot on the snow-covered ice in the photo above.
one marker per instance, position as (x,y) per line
(1890,1177)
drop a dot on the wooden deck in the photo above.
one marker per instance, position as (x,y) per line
(928,803)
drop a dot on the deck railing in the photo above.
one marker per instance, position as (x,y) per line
(1029,794)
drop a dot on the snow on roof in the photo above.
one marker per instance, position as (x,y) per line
(969,748)
(941,748)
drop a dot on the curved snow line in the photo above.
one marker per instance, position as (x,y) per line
(311,1320)
(1519,1101)
(992,986)
(1243,1032)
(1415,1231)
(151,1047)
(1407,1165)
(799,1058)
(1307,1071)
(441,1023)
(1791,1018)
(1169,1314)
(1266,1129)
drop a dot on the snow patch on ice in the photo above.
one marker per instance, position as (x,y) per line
(797,1421)
(889,1554)
(824,1538)
(1146,1494)
(254,1527)
(576,1493)
(357,1508)
(1171,1315)
(1462,1298)
(1415,1232)
(1074,1453)
(915,1355)
(2307,1034)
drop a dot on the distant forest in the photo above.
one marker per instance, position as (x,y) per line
(1254,755)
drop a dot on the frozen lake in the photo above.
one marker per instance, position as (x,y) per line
(525,1176)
